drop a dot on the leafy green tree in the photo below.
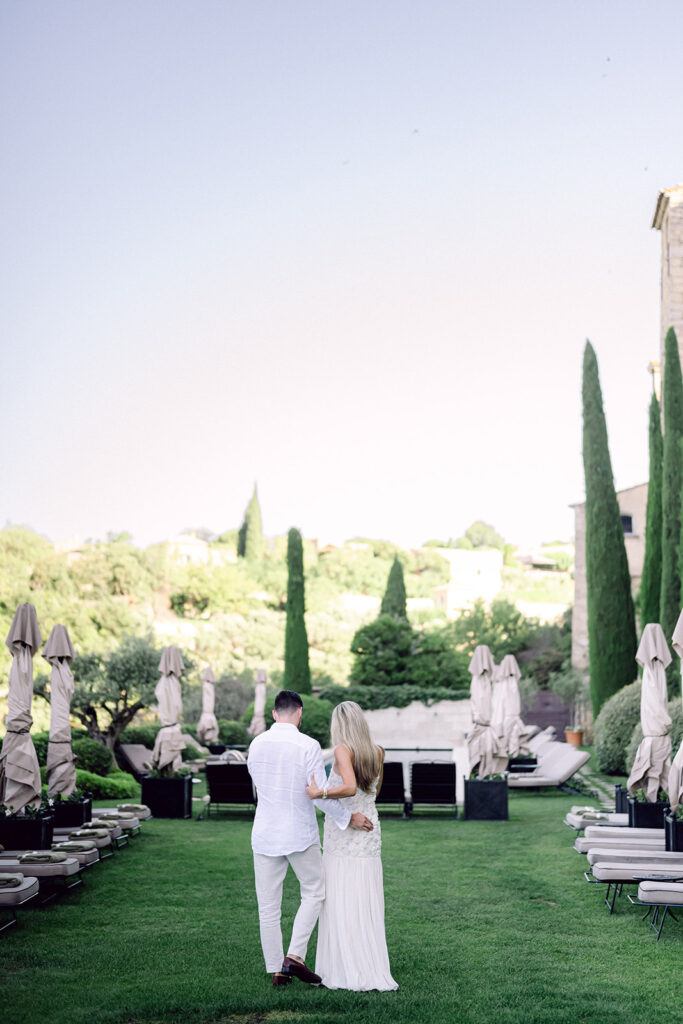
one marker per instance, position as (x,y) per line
(297,669)
(250,537)
(672,478)
(482,535)
(651,581)
(394,600)
(110,690)
(611,619)
(383,650)
(502,627)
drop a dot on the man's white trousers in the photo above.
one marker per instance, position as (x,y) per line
(270,874)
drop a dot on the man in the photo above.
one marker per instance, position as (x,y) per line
(285,833)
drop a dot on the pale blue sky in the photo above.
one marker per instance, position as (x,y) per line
(349,250)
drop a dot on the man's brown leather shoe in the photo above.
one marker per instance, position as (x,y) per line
(300,971)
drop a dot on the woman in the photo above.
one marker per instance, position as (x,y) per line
(352,948)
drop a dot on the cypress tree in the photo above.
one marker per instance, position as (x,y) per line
(672,478)
(651,582)
(297,670)
(611,620)
(394,600)
(250,536)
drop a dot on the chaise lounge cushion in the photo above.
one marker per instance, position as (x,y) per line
(14,896)
(582,844)
(663,893)
(635,856)
(610,871)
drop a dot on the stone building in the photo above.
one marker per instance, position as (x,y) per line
(668,220)
(632,505)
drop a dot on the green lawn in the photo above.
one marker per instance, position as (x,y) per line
(486,922)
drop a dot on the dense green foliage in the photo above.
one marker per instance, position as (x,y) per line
(91,756)
(611,619)
(651,580)
(115,786)
(297,669)
(394,600)
(672,479)
(614,727)
(480,536)
(232,733)
(675,709)
(315,721)
(383,650)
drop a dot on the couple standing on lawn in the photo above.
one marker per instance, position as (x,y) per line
(343,887)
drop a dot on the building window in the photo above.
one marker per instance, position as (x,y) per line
(627,525)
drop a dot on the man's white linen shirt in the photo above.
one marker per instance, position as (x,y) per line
(281,762)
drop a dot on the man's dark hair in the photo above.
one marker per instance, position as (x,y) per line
(288,701)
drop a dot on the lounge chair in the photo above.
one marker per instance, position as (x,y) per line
(127,821)
(580,817)
(616,875)
(393,786)
(432,782)
(11,897)
(116,833)
(136,758)
(100,837)
(85,851)
(229,783)
(637,855)
(660,895)
(583,844)
(35,863)
(557,763)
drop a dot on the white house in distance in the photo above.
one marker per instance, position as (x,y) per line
(474,574)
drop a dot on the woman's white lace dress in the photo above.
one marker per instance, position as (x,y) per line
(352,948)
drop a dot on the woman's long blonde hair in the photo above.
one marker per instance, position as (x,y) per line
(349,727)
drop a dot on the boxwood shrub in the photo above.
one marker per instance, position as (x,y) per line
(614,727)
(92,756)
(115,786)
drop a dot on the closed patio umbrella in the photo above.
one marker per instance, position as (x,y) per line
(675,789)
(169,742)
(61,765)
(650,771)
(258,719)
(485,750)
(513,726)
(207,727)
(19,769)
(497,702)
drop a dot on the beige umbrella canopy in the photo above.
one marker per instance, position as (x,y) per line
(650,771)
(497,702)
(61,765)
(513,726)
(675,789)
(207,727)
(486,753)
(258,719)
(19,769)
(169,742)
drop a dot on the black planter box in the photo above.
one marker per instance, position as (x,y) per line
(217,748)
(168,798)
(26,833)
(645,815)
(66,813)
(486,800)
(673,833)
(620,799)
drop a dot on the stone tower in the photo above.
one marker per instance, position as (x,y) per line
(668,220)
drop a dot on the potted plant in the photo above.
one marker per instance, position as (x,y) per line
(168,796)
(572,687)
(31,830)
(673,830)
(486,799)
(645,814)
(74,809)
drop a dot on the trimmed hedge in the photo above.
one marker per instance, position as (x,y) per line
(92,756)
(232,733)
(373,698)
(144,734)
(675,709)
(614,727)
(115,786)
